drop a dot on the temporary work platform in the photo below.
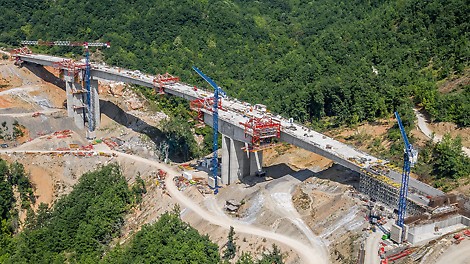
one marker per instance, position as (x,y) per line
(203,103)
(163,79)
(263,131)
(73,68)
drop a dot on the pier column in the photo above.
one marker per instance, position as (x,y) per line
(225,172)
(256,162)
(235,161)
(75,100)
(96,104)
(239,161)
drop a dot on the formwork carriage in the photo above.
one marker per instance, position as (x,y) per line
(207,103)
(264,132)
(164,79)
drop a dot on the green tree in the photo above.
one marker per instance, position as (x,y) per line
(80,225)
(450,161)
(274,256)
(231,247)
(245,258)
(169,240)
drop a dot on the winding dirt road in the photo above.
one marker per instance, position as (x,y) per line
(308,254)
(423,127)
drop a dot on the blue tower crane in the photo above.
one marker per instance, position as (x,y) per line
(410,157)
(215,117)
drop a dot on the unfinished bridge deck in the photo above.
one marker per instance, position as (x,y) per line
(235,112)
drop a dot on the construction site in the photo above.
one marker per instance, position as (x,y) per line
(275,181)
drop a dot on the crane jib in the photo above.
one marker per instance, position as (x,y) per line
(65,43)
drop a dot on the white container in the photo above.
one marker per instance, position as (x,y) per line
(188,176)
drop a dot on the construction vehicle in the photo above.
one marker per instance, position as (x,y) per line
(73,146)
(467,232)
(161,173)
(215,125)
(410,157)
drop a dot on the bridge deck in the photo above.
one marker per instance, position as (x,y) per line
(234,113)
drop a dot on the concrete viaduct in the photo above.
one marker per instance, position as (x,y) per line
(236,163)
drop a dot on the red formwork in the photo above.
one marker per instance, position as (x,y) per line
(262,131)
(72,67)
(161,79)
(22,50)
(19,51)
(203,103)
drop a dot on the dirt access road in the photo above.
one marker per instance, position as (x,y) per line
(372,248)
(308,254)
(456,254)
(423,127)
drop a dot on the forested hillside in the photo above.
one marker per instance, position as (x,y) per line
(79,227)
(350,60)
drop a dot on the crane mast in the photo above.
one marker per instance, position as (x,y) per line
(215,117)
(410,157)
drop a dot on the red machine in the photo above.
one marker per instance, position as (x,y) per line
(203,103)
(262,131)
(72,67)
(163,79)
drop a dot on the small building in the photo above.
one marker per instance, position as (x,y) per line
(231,208)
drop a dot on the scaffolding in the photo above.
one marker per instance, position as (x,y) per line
(263,131)
(164,79)
(384,190)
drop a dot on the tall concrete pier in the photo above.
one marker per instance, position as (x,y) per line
(238,163)
(77,104)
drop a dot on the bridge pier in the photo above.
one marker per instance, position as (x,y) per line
(256,162)
(95,102)
(236,162)
(77,105)
(76,100)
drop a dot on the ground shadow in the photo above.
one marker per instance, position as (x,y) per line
(117,114)
(44,74)
(339,174)
(278,172)
(282,172)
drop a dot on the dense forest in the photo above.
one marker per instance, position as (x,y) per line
(331,61)
(325,63)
